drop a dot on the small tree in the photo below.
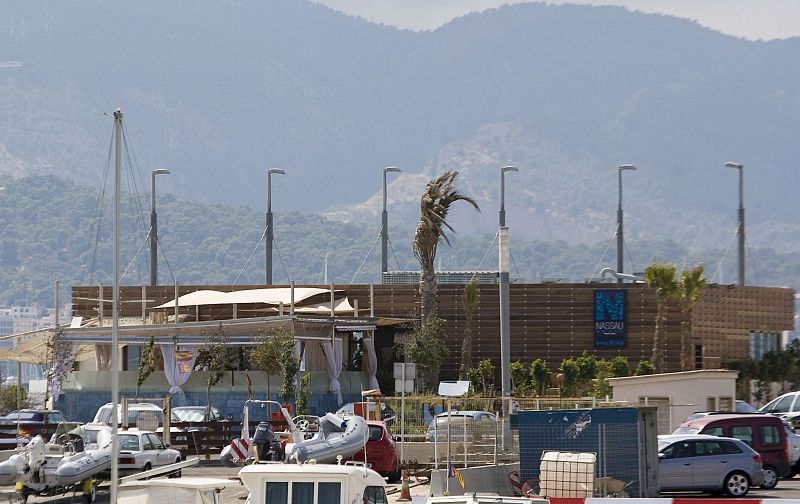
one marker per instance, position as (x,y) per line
(587,369)
(304,394)
(486,371)
(540,376)
(518,378)
(147,362)
(475,381)
(471,297)
(291,366)
(644,368)
(217,348)
(13,397)
(620,367)
(426,348)
(569,371)
(268,355)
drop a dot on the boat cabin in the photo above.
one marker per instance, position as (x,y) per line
(311,483)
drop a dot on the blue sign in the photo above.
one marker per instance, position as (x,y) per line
(610,313)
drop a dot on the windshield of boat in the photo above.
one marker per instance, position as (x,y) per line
(189,414)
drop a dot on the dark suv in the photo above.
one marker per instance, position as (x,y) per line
(764,433)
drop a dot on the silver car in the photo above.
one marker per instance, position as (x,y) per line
(707,463)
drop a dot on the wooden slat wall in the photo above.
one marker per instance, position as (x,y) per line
(548,321)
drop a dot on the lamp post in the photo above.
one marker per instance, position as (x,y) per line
(740,228)
(270,231)
(505,320)
(620,239)
(154,227)
(385,223)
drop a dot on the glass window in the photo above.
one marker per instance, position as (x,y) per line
(726,403)
(770,435)
(711,404)
(329,493)
(744,433)
(686,430)
(729,447)
(705,448)
(783,405)
(147,443)
(277,492)
(129,442)
(375,432)
(374,495)
(796,405)
(713,431)
(302,492)
(157,444)
(680,449)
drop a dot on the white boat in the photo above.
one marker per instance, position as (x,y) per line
(483,498)
(174,491)
(336,437)
(311,483)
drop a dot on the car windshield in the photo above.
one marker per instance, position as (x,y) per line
(24,415)
(129,442)
(189,415)
(455,419)
(686,430)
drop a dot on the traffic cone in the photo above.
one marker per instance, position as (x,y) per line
(405,492)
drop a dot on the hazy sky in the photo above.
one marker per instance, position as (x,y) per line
(752,19)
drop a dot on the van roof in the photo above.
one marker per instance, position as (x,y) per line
(705,420)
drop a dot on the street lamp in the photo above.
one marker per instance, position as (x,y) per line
(154,227)
(620,262)
(740,228)
(503,171)
(505,317)
(385,222)
(270,233)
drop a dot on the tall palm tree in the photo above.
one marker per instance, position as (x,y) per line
(439,194)
(664,278)
(691,282)
(471,296)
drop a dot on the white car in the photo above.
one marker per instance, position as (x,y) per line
(143,450)
(144,416)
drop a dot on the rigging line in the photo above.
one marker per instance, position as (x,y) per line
(396,262)
(164,255)
(594,271)
(365,259)
(263,235)
(98,217)
(134,163)
(516,270)
(136,256)
(630,257)
(724,255)
(285,272)
(474,273)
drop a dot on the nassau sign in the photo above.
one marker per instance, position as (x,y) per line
(610,318)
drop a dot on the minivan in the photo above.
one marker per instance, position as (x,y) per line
(764,433)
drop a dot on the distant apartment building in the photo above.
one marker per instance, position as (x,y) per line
(20,320)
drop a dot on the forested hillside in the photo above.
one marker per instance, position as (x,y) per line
(221,91)
(49,231)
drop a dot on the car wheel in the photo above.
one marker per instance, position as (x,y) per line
(737,484)
(146,468)
(395,476)
(770,477)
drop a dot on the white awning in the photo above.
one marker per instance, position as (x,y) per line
(272,296)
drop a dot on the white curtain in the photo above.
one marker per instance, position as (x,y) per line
(372,362)
(178,365)
(334,359)
(102,357)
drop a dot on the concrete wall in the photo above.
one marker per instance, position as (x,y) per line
(686,393)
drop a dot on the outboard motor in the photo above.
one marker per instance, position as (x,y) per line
(265,444)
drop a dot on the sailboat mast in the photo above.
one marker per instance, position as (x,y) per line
(115,311)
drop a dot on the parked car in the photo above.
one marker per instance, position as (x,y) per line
(786,406)
(144,450)
(764,433)
(794,450)
(708,463)
(382,454)
(469,426)
(144,416)
(22,425)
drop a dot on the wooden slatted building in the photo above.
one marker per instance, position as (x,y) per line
(551,321)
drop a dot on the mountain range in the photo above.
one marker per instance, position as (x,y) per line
(218,92)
